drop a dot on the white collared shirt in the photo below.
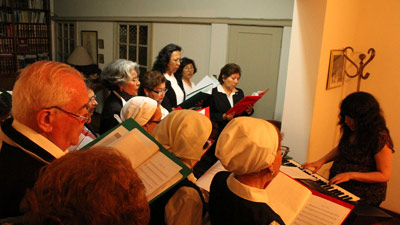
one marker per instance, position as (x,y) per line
(178,91)
(247,192)
(230,97)
(38,139)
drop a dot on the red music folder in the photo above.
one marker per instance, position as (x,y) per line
(241,106)
(297,204)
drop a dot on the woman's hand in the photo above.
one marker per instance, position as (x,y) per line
(341,177)
(249,109)
(316,165)
(228,117)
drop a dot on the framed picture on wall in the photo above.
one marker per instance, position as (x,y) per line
(89,41)
(336,69)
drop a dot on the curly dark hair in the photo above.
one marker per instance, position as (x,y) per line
(162,60)
(364,109)
(185,61)
(228,70)
(150,80)
(96,186)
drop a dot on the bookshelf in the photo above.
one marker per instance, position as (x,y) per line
(24,36)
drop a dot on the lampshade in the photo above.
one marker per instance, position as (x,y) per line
(80,57)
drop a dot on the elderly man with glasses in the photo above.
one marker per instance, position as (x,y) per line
(49,108)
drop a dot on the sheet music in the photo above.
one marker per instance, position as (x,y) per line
(157,171)
(113,136)
(287,197)
(205,180)
(135,146)
(320,211)
(296,173)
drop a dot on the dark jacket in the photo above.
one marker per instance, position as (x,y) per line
(112,105)
(169,100)
(18,168)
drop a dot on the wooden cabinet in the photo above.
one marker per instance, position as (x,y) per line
(24,36)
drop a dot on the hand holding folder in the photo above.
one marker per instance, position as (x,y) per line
(242,105)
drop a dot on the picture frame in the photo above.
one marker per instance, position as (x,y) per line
(336,73)
(101,58)
(89,41)
(101,43)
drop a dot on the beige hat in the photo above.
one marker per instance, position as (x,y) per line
(184,133)
(247,145)
(139,108)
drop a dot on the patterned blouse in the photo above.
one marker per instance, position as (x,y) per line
(352,158)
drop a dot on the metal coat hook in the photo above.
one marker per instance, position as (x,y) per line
(360,69)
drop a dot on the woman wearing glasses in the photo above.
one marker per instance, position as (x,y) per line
(152,84)
(120,77)
(186,71)
(167,63)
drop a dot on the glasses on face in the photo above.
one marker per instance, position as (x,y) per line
(160,92)
(135,80)
(86,119)
(188,68)
(284,151)
(92,99)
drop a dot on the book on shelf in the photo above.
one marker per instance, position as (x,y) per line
(157,168)
(203,90)
(242,105)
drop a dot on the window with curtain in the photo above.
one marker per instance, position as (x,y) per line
(65,40)
(134,44)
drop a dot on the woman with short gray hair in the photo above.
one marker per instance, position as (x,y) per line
(121,78)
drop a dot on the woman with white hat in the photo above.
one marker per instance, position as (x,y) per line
(144,110)
(184,133)
(249,149)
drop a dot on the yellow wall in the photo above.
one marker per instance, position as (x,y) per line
(361,24)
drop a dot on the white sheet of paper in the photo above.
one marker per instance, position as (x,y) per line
(205,180)
(296,173)
(321,211)
(157,171)
(287,197)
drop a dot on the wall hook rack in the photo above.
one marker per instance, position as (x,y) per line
(360,69)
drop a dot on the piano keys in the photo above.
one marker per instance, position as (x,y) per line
(321,184)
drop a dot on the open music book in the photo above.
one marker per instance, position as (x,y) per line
(157,168)
(203,90)
(241,106)
(297,204)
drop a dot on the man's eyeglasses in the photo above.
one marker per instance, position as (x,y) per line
(86,119)
(160,92)
(92,99)
(284,151)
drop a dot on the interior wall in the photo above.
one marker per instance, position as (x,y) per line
(305,50)
(362,25)
(266,9)
(195,40)
(105,32)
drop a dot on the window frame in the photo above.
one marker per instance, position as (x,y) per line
(61,55)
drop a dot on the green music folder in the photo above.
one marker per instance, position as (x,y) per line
(158,168)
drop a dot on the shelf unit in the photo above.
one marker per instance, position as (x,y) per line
(25,36)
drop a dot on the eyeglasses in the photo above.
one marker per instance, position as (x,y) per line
(154,121)
(92,99)
(86,119)
(160,92)
(284,151)
(135,80)
(188,68)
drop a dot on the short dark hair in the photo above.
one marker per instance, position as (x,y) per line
(162,60)
(150,80)
(96,186)
(228,70)
(185,61)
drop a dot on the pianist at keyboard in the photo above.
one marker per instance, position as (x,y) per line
(362,160)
